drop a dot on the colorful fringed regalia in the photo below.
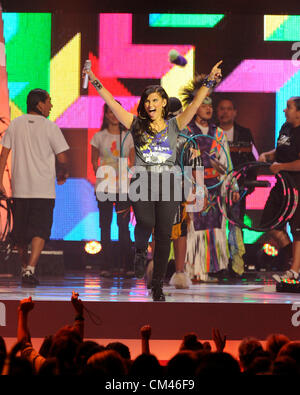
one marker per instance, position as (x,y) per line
(208,248)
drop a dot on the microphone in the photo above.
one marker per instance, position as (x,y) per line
(87,67)
(176,58)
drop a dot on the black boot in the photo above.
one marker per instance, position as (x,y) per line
(157,292)
(140,262)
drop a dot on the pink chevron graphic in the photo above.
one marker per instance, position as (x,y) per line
(259,76)
(257,199)
(87,112)
(120,58)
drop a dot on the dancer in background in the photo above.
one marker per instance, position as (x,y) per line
(208,250)
(155,140)
(286,158)
(35,143)
(241,146)
(106,147)
(240,139)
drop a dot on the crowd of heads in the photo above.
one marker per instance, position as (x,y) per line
(66,353)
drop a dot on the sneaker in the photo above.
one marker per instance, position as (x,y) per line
(288,275)
(157,292)
(140,262)
(28,278)
(180,280)
(158,295)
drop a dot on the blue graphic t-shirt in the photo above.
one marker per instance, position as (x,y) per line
(159,149)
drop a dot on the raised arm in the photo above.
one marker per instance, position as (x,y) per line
(187,115)
(145,335)
(79,318)
(122,115)
(25,306)
(219,340)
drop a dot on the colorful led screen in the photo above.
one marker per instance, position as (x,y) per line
(282,28)
(129,52)
(184,20)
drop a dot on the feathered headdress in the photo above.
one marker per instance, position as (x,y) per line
(188,92)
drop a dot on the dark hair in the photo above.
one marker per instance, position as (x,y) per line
(64,346)
(261,364)
(146,365)
(183,364)
(227,99)
(291,350)
(106,363)
(174,105)
(142,124)
(121,348)
(49,368)
(191,342)
(84,351)
(218,363)
(249,349)
(34,97)
(296,100)
(275,342)
(45,346)
(20,366)
(105,122)
(285,366)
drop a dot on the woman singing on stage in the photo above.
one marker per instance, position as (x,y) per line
(155,138)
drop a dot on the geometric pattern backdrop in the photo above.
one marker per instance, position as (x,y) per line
(125,64)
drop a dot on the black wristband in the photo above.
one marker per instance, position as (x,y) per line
(79,317)
(209,83)
(97,84)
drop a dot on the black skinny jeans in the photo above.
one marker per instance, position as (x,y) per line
(123,218)
(158,215)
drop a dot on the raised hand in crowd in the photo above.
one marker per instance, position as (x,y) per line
(25,306)
(145,335)
(219,340)
(77,303)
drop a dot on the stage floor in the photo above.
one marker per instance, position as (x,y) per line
(117,308)
(91,287)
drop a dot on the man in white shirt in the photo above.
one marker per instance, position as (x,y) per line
(36,143)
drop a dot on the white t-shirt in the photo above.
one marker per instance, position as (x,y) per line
(108,145)
(34,142)
(204,129)
(229,133)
